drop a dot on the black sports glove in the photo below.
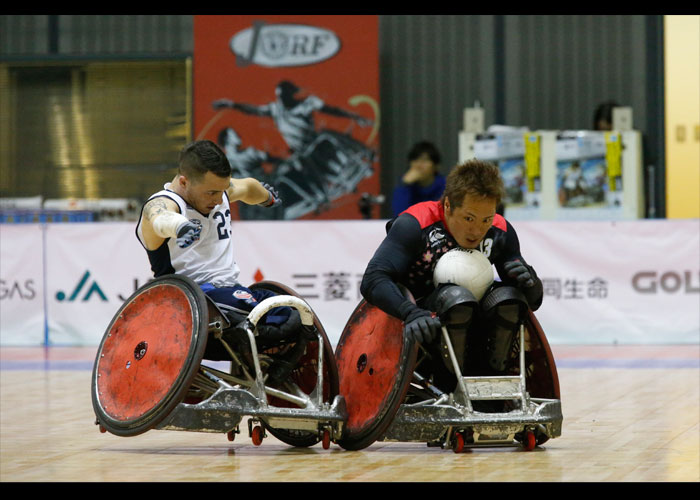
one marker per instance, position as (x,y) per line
(273,200)
(188,233)
(421,326)
(519,272)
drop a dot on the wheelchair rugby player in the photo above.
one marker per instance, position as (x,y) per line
(148,373)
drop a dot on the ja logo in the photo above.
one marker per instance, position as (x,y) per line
(94,288)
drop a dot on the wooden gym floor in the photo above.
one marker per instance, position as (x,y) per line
(631,413)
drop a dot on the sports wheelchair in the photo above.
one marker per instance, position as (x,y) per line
(387,399)
(151,368)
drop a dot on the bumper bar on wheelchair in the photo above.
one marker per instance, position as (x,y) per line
(431,420)
(223,410)
(427,423)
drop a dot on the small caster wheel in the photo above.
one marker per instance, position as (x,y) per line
(257,435)
(102,430)
(326,439)
(541,436)
(231,435)
(458,442)
(530,442)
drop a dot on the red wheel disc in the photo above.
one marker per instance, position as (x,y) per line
(149,354)
(140,360)
(374,367)
(542,378)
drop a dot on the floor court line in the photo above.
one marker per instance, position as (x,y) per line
(565,356)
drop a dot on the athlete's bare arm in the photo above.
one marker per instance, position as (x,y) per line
(156,207)
(247,190)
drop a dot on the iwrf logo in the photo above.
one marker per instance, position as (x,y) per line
(283,45)
(94,288)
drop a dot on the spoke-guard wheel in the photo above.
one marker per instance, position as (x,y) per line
(375,364)
(541,374)
(149,355)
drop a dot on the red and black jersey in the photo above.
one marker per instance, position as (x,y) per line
(415,241)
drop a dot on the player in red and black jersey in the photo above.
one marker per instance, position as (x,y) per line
(465,217)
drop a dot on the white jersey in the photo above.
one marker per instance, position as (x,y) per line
(207,260)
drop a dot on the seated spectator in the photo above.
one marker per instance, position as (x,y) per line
(422,181)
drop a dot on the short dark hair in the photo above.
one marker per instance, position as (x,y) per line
(474,177)
(426,147)
(200,157)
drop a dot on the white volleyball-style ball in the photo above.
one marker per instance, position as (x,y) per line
(465,267)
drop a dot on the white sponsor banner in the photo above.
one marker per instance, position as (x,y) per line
(627,282)
(630,282)
(322,261)
(634,282)
(91,268)
(21,285)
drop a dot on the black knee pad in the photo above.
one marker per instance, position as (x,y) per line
(493,302)
(456,307)
(504,310)
(453,304)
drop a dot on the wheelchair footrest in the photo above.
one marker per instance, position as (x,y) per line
(494,388)
(429,422)
(224,410)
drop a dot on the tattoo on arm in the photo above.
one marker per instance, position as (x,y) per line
(154,208)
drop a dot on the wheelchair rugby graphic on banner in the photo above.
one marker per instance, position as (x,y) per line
(267,91)
(322,165)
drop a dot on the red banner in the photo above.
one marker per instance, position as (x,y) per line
(294,102)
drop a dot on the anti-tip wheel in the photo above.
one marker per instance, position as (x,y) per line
(257,435)
(530,442)
(458,443)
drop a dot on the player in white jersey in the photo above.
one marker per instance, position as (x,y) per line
(186,228)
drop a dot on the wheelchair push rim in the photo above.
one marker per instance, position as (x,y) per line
(149,355)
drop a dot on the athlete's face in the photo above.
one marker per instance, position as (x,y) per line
(469,222)
(206,193)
